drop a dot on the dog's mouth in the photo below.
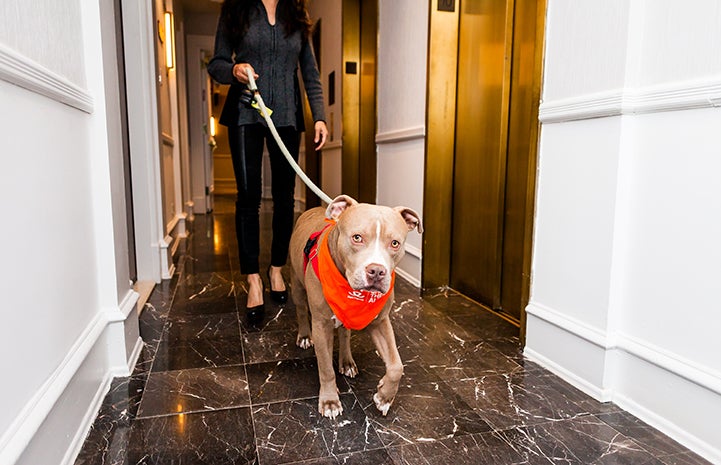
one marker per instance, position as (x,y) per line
(375,288)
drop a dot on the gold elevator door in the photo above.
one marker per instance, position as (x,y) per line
(495,151)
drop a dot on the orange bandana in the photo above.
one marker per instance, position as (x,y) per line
(354,308)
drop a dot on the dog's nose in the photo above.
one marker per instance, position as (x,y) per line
(375,272)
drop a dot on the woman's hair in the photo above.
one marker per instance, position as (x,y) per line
(291,14)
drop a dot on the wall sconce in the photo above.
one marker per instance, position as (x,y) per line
(169,42)
(212,126)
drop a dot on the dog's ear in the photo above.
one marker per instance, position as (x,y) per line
(412,219)
(338,205)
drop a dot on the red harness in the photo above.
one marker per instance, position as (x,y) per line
(355,309)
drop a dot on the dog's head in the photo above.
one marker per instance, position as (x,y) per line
(368,241)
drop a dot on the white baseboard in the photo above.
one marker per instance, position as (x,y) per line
(408,277)
(602,395)
(76,444)
(410,268)
(45,404)
(133,358)
(707,450)
(144,289)
(23,428)
(627,371)
(81,434)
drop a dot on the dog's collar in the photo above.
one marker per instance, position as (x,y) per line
(355,309)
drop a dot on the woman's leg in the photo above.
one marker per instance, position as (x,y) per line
(246,147)
(283,189)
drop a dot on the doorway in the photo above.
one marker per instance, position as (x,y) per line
(199,49)
(491,171)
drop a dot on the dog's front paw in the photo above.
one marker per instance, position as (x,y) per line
(330,408)
(382,403)
(304,342)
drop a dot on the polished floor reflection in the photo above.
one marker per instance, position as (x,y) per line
(211,389)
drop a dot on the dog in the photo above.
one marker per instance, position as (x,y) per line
(355,247)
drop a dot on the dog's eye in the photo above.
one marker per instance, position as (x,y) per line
(395,244)
(357,238)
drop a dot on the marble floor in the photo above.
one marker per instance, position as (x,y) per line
(211,389)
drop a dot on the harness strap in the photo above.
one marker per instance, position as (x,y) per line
(310,251)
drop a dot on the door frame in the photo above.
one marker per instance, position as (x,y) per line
(153,263)
(201,168)
(125,137)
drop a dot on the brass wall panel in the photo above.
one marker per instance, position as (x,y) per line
(351,100)
(440,130)
(360,32)
(367,110)
(521,159)
(485,36)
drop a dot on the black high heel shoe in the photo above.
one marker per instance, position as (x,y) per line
(279,297)
(254,315)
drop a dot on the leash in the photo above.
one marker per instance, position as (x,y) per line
(265,113)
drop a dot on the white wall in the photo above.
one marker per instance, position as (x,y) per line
(401,83)
(626,250)
(28,26)
(68,321)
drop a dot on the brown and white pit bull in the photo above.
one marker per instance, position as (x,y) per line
(360,250)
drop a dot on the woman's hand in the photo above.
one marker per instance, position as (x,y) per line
(240,71)
(321,134)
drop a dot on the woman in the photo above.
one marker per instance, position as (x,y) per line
(271,39)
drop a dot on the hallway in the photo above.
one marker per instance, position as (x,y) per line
(208,389)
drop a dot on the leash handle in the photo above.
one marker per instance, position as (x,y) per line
(266,115)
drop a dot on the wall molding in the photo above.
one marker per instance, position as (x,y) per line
(24,72)
(126,306)
(414,251)
(401,135)
(686,369)
(332,145)
(662,358)
(683,95)
(409,277)
(571,325)
(597,392)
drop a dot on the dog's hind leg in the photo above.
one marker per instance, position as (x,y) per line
(300,299)
(346,364)
(385,342)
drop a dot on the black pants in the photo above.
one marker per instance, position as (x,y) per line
(246,148)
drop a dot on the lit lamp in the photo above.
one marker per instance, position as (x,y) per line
(169,43)
(212,126)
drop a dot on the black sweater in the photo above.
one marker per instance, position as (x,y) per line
(275,58)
